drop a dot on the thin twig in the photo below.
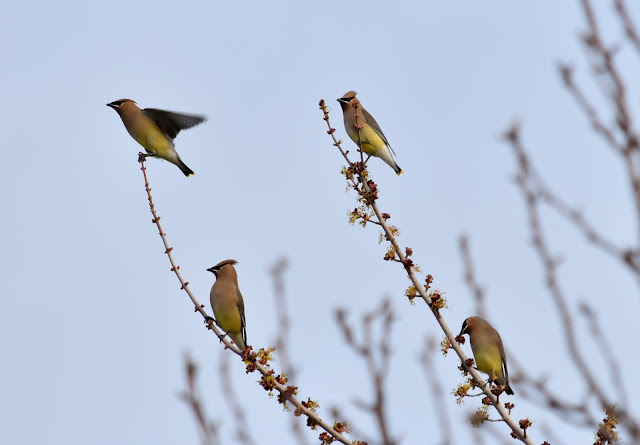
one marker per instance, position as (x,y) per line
(566,72)
(477,290)
(581,223)
(616,92)
(539,188)
(607,352)
(629,26)
(237,411)
(537,392)
(282,340)
(431,375)
(174,267)
(378,369)
(286,392)
(365,192)
(208,430)
(550,266)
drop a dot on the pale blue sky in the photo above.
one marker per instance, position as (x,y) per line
(93,322)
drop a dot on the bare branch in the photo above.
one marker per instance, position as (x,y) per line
(615,92)
(606,351)
(628,257)
(368,194)
(255,361)
(282,339)
(629,26)
(580,222)
(237,411)
(174,267)
(477,290)
(434,383)
(537,391)
(550,265)
(378,369)
(208,429)
(566,73)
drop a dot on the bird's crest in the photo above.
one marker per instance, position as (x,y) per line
(221,264)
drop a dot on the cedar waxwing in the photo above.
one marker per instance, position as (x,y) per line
(156,129)
(227,303)
(374,142)
(488,351)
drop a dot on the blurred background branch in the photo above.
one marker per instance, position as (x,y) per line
(283,332)
(207,429)
(377,356)
(622,138)
(430,351)
(237,409)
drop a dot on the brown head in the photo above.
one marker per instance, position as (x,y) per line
(473,324)
(347,99)
(224,269)
(123,105)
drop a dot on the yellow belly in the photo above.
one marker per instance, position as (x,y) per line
(372,143)
(228,320)
(489,362)
(154,141)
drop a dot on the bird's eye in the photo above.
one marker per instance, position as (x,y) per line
(117,103)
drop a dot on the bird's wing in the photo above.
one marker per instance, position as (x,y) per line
(241,309)
(504,361)
(171,123)
(373,124)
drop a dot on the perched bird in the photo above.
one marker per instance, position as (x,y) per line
(227,303)
(488,351)
(156,129)
(374,142)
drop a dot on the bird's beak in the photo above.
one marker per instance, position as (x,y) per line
(111,105)
(212,270)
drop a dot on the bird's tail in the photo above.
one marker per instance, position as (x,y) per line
(238,340)
(183,167)
(508,390)
(394,166)
(388,159)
